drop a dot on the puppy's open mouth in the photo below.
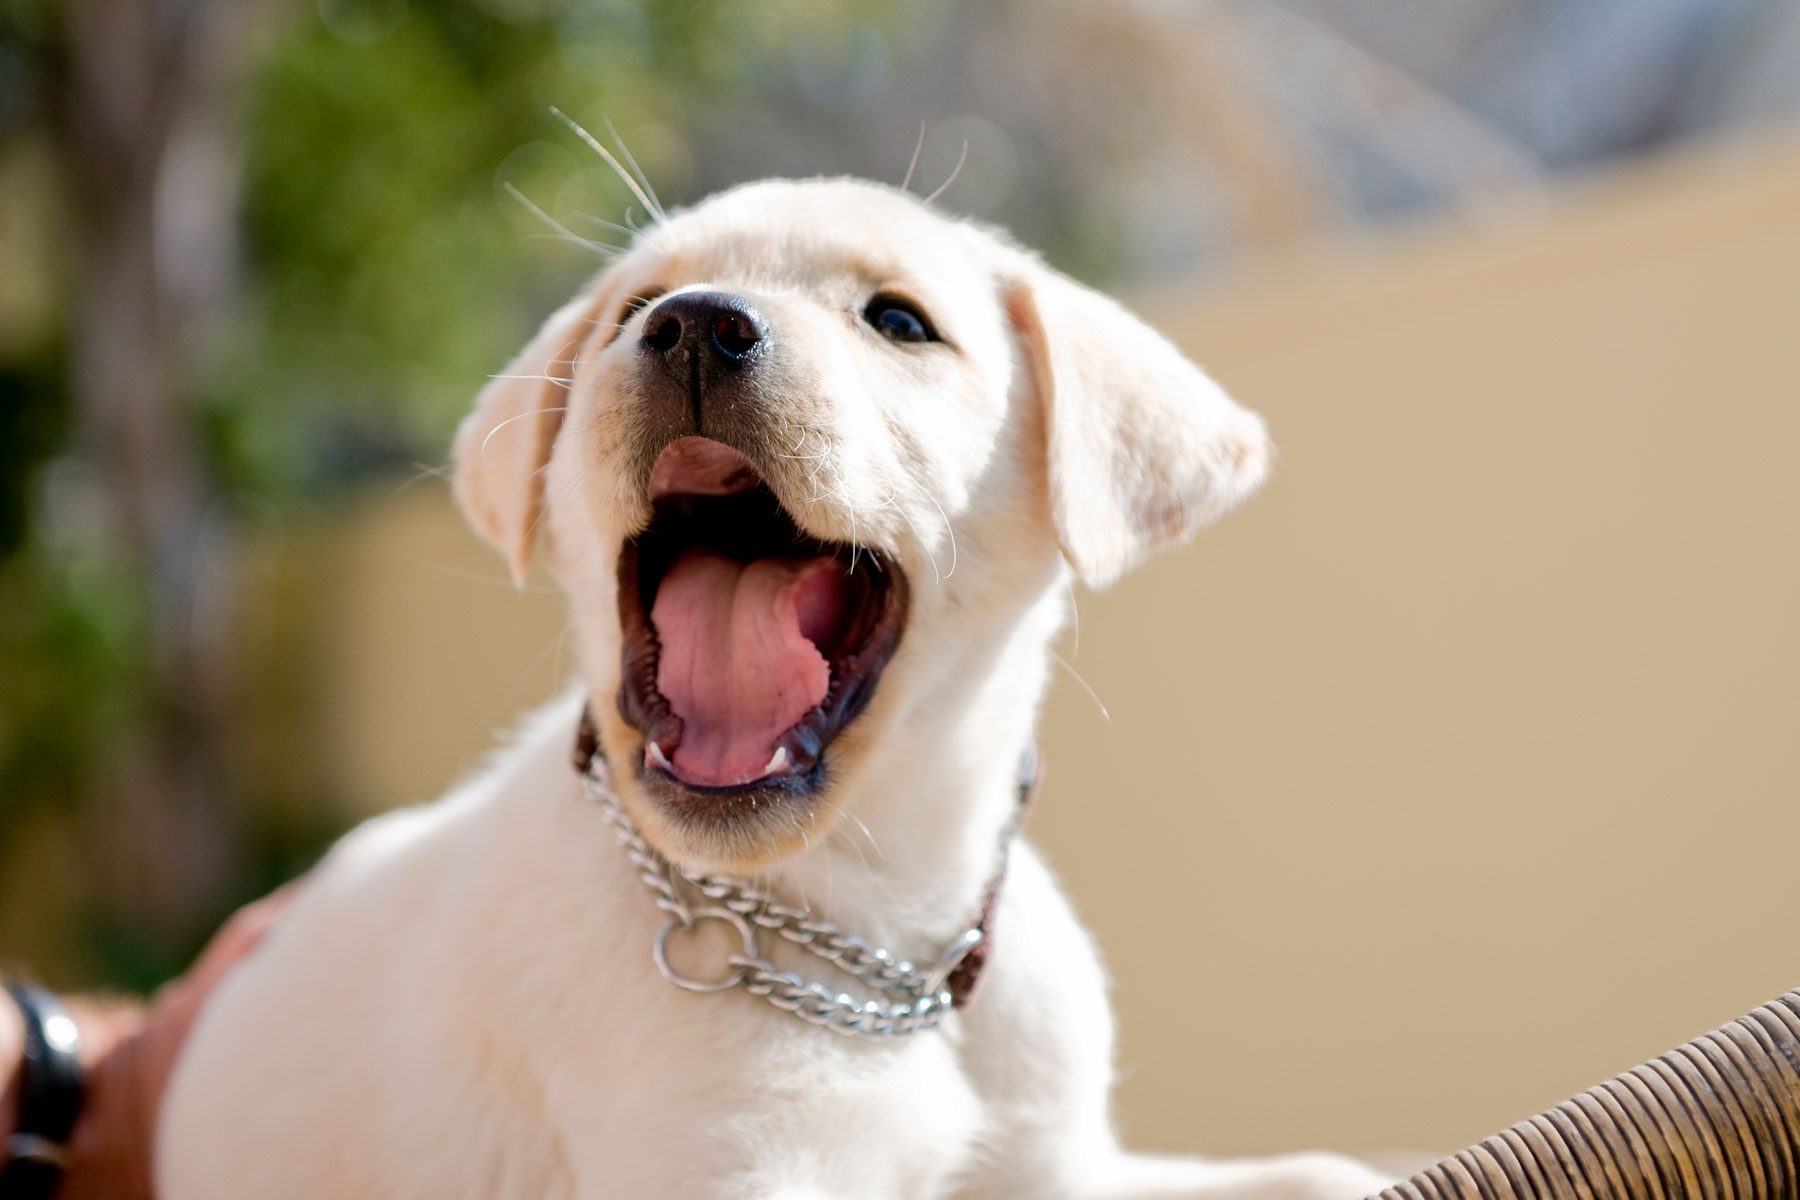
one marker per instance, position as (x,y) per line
(749,645)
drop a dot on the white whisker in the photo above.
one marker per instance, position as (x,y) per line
(504,700)
(873,845)
(1085,686)
(604,249)
(562,645)
(817,499)
(544,509)
(564,384)
(655,200)
(914,164)
(424,471)
(947,529)
(799,885)
(960,160)
(563,232)
(923,543)
(838,833)
(580,476)
(536,412)
(625,176)
(1075,614)
(627,230)
(471,576)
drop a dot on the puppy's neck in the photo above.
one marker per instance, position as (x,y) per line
(921,832)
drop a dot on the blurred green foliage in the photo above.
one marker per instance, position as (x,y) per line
(385,267)
(380,272)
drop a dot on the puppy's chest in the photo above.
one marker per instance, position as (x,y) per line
(738,1089)
(669,1092)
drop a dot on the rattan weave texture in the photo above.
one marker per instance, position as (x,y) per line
(1715,1119)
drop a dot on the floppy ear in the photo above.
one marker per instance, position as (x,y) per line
(1143,448)
(502,447)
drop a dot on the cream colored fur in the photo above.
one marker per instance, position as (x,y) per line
(461,1001)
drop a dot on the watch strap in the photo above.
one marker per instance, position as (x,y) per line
(51,1086)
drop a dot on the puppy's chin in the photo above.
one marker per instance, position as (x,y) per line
(737,830)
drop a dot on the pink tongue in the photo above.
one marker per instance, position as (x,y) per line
(738,662)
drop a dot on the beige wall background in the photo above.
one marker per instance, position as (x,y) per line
(1457,771)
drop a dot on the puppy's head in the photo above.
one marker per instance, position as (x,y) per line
(803,457)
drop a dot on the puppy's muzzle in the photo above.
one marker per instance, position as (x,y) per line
(707,365)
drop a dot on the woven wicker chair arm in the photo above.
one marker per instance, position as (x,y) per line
(1716,1118)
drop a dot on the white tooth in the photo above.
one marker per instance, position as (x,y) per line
(778,761)
(653,754)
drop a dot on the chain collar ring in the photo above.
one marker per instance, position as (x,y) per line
(659,950)
(909,1000)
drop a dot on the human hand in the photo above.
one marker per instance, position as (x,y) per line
(129,1050)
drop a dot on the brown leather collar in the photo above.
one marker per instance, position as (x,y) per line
(967,975)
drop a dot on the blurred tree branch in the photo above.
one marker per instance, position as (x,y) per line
(140,86)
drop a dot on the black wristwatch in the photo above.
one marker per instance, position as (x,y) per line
(51,1086)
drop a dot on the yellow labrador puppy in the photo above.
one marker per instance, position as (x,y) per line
(814,465)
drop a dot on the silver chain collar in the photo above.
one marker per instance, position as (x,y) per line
(914,999)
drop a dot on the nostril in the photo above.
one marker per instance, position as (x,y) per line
(664,334)
(735,335)
(689,328)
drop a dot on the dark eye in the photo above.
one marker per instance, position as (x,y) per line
(898,320)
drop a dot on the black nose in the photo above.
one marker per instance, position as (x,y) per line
(695,326)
